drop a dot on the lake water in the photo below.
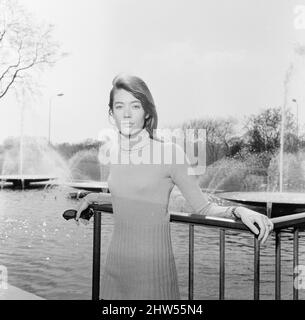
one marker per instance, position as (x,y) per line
(52,258)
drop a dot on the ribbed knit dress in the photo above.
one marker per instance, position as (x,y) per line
(140,262)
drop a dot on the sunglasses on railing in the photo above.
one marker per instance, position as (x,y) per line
(71,214)
(88,212)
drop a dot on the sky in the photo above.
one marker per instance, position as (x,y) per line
(200,58)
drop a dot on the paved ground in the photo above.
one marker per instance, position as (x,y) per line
(14,293)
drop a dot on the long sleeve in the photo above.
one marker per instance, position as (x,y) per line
(104,198)
(180,173)
(99,198)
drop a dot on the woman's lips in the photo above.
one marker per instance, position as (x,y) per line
(127,124)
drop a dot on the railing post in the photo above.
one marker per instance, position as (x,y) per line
(222,264)
(295,261)
(96,255)
(191,261)
(277,265)
(256,268)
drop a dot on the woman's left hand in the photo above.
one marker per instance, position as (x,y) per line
(249,217)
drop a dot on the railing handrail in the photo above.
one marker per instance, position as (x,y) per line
(292,220)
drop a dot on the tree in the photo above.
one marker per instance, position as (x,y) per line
(237,145)
(263,131)
(26,47)
(218,134)
(68,150)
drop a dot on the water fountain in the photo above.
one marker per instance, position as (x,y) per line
(35,151)
(274,203)
(38,163)
(30,162)
(43,166)
(87,173)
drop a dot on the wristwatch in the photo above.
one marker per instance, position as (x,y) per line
(233,212)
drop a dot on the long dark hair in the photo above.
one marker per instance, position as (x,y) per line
(138,88)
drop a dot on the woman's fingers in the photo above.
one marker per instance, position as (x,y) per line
(269,228)
(78,213)
(262,228)
(251,226)
(84,205)
(84,221)
(265,226)
(258,223)
(77,217)
(271,225)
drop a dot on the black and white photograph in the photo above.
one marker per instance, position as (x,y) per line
(152,150)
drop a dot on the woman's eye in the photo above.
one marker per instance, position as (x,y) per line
(118,107)
(137,106)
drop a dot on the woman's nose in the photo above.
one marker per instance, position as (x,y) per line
(127,113)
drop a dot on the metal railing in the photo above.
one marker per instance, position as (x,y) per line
(295,221)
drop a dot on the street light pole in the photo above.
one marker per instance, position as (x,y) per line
(282,145)
(296,102)
(50,110)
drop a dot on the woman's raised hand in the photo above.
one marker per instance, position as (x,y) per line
(250,218)
(85,203)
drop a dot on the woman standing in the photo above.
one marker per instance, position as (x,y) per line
(140,262)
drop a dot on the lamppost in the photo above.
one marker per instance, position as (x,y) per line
(50,109)
(296,102)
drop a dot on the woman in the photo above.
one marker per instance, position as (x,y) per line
(140,262)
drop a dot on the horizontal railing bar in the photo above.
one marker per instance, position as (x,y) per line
(288,221)
(193,219)
(292,220)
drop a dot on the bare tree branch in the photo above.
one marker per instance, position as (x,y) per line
(2,34)
(12,66)
(26,47)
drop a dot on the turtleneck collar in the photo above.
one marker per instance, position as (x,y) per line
(134,142)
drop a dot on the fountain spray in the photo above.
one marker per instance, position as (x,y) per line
(286,82)
(300,51)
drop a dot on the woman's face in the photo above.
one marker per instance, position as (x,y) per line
(128,112)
